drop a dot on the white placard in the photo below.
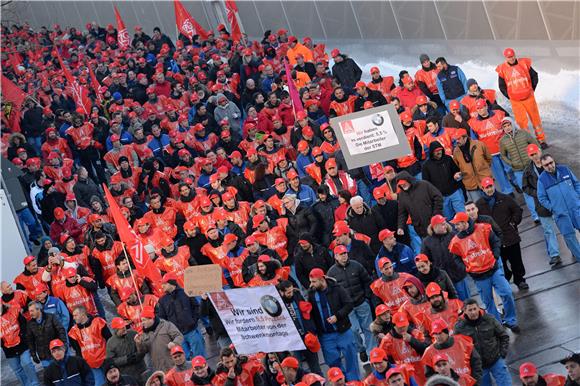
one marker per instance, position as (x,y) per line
(369,133)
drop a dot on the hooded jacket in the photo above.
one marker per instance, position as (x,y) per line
(368,223)
(421,201)
(437,248)
(440,172)
(513,147)
(306,262)
(476,166)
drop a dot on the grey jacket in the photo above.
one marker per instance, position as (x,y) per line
(155,343)
(123,351)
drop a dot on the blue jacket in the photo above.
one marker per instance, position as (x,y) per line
(401,256)
(301,163)
(57,307)
(560,194)
(157,144)
(305,194)
(451,84)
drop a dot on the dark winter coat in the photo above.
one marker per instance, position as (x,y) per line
(530,187)
(123,351)
(354,279)
(340,304)
(368,223)
(306,262)
(302,221)
(374,96)
(489,337)
(436,247)
(84,190)
(179,309)
(324,211)
(422,201)
(39,335)
(440,172)
(506,212)
(71,371)
(362,253)
(347,72)
(440,277)
(32,122)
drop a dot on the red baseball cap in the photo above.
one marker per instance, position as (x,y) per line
(383,261)
(340,249)
(385,234)
(307,131)
(69,272)
(481,103)
(334,374)
(378,355)
(148,312)
(421,100)
(532,149)
(360,84)
(235,154)
(331,162)
(334,53)
(279,181)
(230,238)
(438,326)
(381,309)
(374,69)
(440,357)
(292,174)
(28,259)
(405,116)
(509,52)
(169,276)
(250,240)
(340,229)
(55,343)
(176,349)
(421,257)
(486,182)
(528,369)
(402,181)
(433,289)
(316,273)
(301,115)
(393,371)
(290,362)
(258,219)
(302,145)
(437,219)
(454,105)
(460,217)
(400,319)
(198,361)
(118,323)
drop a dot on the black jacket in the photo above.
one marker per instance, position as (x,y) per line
(208,310)
(389,213)
(437,248)
(422,201)
(440,172)
(489,337)
(374,96)
(72,371)
(368,223)
(84,190)
(450,82)
(440,277)
(530,187)
(32,122)
(347,72)
(242,185)
(306,262)
(506,212)
(39,335)
(179,309)
(340,304)
(302,221)
(362,253)
(324,211)
(354,279)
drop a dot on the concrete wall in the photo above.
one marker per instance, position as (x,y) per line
(476,19)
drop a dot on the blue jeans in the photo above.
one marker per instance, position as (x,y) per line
(500,172)
(335,344)
(415,240)
(27,219)
(549,228)
(462,288)
(99,376)
(498,282)
(361,319)
(529,199)
(193,344)
(500,374)
(24,369)
(364,192)
(454,203)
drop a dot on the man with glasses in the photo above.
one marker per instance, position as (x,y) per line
(559,192)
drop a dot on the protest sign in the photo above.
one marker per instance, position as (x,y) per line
(257,320)
(200,279)
(370,136)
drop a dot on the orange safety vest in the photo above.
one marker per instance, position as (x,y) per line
(281,274)
(343,108)
(554,379)
(179,378)
(241,215)
(469,102)
(274,238)
(107,259)
(474,249)
(314,171)
(91,342)
(29,282)
(414,311)
(117,283)
(390,292)
(329,149)
(403,353)
(459,354)
(384,86)
(10,328)
(410,159)
(77,296)
(429,78)
(175,264)
(445,139)
(132,313)
(517,78)
(450,314)
(164,221)
(489,130)
(246,378)
(275,202)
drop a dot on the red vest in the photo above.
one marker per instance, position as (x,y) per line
(445,139)
(179,378)
(474,249)
(246,378)
(113,156)
(133,313)
(459,354)
(384,86)
(429,78)
(450,314)
(517,78)
(410,159)
(469,102)
(403,353)
(281,274)
(10,328)
(29,283)
(164,221)
(107,259)
(116,283)
(274,238)
(554,379)
(77,296)
(391,292)
(343,108)
(175,264)
(314,171)
(489,130)
(91,342)
(415,312)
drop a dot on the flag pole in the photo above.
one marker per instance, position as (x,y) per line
(132,276)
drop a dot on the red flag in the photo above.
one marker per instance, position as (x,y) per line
(232,10)
(187,24)
(13,97)
(133,243)
(123,38)
(95,83)
(294,95)
(79,93)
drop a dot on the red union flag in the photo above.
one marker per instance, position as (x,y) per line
(187,24)
(80,93)
(133,243)
(12,99)
(232,10)
(123,38)
(294,95)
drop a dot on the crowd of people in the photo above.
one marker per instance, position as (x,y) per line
(213,159)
